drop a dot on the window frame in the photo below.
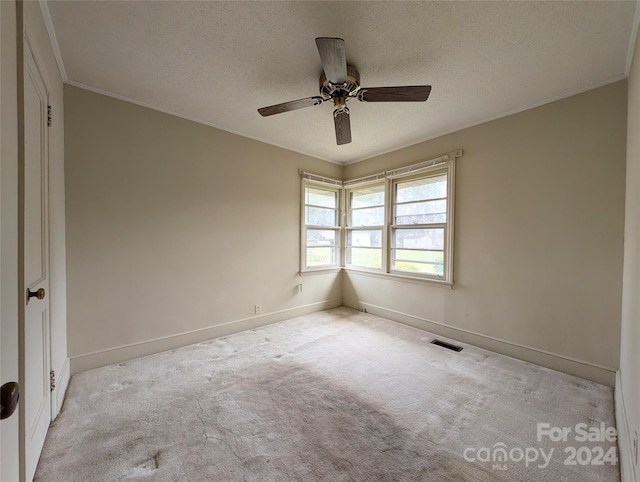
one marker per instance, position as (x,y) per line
(448,168)
(327,185)
(390,179)
(382,227)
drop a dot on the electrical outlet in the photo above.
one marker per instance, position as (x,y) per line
(257,309)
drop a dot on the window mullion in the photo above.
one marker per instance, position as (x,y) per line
(342,224)
(388,219)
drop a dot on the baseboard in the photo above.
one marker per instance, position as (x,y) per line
(63,375)
(96,359)
(582,369)
(625,445)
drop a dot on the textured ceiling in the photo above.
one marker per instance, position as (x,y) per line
(217,62)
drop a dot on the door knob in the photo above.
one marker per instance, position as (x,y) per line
(9,396)
(35,294)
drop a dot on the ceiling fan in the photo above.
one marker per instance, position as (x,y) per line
(341,82)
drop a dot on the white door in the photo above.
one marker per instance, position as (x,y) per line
(9,371)
(36,389)
(1,374)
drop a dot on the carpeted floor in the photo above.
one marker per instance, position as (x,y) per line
(332,396)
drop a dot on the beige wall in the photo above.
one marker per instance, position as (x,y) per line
(172,227)
(538,236)
(628,388)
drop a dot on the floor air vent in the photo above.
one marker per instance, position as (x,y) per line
(444,344)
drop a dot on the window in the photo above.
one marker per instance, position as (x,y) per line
(321,234)
(396,223)
(365,226)
(418,227)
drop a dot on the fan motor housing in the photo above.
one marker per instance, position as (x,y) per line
(348,89)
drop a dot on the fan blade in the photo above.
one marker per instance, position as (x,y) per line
(413,93)
(343,127)
(334,59)
(287,106)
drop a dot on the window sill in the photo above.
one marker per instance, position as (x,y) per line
(402,278)
(312,272)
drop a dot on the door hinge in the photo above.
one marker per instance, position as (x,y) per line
(49,115)
(52,380)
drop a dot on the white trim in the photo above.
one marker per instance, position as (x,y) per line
(54,39)
(313,272)
(418,167)
(625,444)
(395,276)
(109,356)
(371,178)
(632,40)
(572,366)
(124,98)
(302,239)
(318,178)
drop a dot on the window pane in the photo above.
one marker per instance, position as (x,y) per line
(321,256)
(365,237)
(367,196)
(422,212)
(367,217)
(320,216)
(427,238)
(365,257)
(433,257)
(317,237)
(321,197)
(422,189)
(424,262)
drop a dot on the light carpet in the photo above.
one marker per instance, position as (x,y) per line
(332,396)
